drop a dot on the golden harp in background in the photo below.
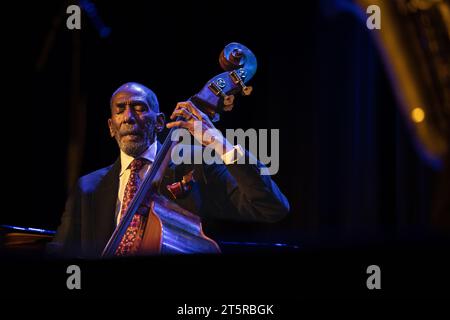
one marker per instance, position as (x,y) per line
(414,42)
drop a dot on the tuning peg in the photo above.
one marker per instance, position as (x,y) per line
(216,117)
(228,103)
(228,108)
(228,100)
(246,91)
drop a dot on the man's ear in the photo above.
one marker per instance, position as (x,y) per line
(111,130)
(160,121)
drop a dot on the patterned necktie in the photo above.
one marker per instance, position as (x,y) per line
(133,236)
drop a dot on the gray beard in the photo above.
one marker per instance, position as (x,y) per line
(134,149)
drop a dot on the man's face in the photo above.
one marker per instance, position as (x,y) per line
(133,123)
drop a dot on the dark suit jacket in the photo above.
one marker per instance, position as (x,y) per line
(233,192)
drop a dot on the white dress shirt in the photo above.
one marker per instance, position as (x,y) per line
(125,171)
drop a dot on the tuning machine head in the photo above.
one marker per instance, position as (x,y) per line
(237,79)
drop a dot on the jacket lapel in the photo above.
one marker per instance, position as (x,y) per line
(104,205)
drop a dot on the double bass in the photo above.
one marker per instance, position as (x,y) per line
(169,228)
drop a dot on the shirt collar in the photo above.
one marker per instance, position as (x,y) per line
(149,154)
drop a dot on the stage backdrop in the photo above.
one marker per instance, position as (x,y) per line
(347,162)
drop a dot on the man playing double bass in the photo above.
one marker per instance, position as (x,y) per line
(230,190)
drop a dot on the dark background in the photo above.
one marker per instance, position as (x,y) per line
(347,161)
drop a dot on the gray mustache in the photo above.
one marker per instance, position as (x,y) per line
(131,132)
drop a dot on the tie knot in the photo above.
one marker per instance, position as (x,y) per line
(137,164)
